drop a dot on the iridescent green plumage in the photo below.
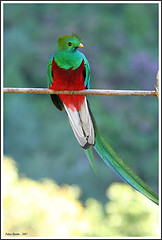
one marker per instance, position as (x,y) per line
(63,42)
(111,159)
(80,116)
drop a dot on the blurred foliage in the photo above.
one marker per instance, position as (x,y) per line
(45,209)
(121,44)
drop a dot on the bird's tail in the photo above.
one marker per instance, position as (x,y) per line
(109,156)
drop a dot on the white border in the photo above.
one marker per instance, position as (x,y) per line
(82,2)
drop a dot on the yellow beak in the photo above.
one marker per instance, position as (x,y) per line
(81,45)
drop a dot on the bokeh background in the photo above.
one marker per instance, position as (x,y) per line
(50,187)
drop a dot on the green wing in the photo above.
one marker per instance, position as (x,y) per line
(55,98)
(49,71)
(86,72)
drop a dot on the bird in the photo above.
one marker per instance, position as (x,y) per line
(69,69)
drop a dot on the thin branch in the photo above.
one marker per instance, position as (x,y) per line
(82,92)
(156,88)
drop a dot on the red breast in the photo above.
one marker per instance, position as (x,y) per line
(68,79)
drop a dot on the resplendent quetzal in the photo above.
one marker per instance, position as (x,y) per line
(68,69)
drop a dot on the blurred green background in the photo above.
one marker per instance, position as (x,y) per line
(42,208)
(121,43)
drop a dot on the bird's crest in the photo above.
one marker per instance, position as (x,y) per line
(63,40)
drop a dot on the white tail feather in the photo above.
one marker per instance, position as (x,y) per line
(82,125)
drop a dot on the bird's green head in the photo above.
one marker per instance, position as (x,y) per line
(69,43)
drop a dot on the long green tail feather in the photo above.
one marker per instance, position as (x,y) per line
(115,162)
(90,157)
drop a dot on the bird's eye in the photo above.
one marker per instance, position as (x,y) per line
(69,43)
